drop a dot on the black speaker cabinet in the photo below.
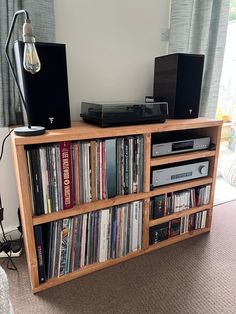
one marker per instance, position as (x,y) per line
(178,80)
(45,92)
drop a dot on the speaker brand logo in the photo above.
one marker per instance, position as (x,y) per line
(190,111)
(51,119)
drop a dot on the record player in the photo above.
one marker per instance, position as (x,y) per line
(124,113)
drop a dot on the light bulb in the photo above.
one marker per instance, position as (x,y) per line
(31,60)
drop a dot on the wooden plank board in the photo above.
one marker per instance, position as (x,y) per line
(99,266)
(85,208)
(21,171)
(85,271)
(182,213)
(164,160)
(84,131)
(217,135)
(147,159)
(180,186)
(120,199)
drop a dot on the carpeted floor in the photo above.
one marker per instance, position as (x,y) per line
(194,276)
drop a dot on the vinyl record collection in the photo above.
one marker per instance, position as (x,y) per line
(61,174)
(66,245)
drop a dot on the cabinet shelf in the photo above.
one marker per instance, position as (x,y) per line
(88,207)
(163,160)
(180,186)
(84,131)
(182,213)
(98,266)
(86,270)
(120,199)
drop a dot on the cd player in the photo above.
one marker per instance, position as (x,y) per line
(161,149)
(178,173)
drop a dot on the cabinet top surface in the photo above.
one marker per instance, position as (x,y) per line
(82,130)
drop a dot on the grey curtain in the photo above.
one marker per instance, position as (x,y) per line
(200,26)
(42,17)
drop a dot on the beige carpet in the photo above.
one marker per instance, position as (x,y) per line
(194,276)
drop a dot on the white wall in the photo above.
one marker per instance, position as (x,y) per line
(111,46)
(8,185)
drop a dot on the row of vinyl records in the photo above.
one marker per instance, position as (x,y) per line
(66,245)
(166,204)
(177,226)
(67,173)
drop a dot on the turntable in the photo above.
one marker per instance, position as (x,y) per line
(124,113)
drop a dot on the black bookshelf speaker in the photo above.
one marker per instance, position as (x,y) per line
(45,92)
(178,80)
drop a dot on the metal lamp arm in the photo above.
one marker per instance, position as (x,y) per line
(10,63)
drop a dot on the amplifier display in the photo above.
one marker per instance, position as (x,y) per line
(169,175)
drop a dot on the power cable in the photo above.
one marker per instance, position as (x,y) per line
(3,142)
(5,244)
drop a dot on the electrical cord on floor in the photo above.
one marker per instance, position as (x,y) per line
(6,247)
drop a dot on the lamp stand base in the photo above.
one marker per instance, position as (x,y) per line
(29,131)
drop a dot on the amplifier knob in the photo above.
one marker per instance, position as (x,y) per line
(203,169)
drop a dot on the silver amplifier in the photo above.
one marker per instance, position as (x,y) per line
(175,174)
(168,148)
